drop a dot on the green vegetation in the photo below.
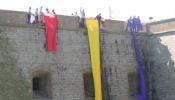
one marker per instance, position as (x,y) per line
(13,85)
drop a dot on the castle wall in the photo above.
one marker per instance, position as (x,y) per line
(118,61)
(158,58)
(65,22)
(67,65)
(65,68)
(11,79)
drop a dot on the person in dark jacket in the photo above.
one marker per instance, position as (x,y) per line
(29,15)
(98,17)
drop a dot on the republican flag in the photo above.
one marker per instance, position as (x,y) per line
(51,27)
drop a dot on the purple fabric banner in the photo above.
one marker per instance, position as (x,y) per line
(141,95)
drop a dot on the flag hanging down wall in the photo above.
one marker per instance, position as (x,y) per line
(94,44)
(51,27)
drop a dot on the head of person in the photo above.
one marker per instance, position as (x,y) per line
(99,14)
(130,17)
(134,17)
(138,17)
(53,11)
(47,10)
(30,8)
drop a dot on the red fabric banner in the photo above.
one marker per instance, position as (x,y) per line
(51,27)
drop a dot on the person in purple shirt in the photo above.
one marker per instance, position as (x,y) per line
(139,24)
(135,24)
(130,24)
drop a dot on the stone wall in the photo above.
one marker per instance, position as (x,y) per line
(158,58)
(118,61)
(11,79)
(65,22)
(66,66)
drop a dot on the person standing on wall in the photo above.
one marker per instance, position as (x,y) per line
(53,12)
(36,15)
(47,11)
(139,24)
(98,17)
(82,18)
(134,21)
(130,25)
(29,15)
(32,18)
(40,17)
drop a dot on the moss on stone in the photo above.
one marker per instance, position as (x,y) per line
(13,85)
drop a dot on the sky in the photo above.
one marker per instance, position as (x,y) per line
(118,9)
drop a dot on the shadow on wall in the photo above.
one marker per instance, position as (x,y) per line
(159,66)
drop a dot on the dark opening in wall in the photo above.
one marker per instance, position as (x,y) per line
(36,84)
(41,85)
(88,86)
(133,82)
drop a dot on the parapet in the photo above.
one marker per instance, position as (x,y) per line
(16,18)
(161,26)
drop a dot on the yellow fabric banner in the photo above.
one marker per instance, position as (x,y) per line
(94,42)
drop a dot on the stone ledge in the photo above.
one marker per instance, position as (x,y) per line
(19,19)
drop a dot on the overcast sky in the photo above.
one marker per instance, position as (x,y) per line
(120,9)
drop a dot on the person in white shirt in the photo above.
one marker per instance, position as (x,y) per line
(82,18)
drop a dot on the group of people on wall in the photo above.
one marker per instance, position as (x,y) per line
(49,21)
(36,17)
(82,18)
(134,24)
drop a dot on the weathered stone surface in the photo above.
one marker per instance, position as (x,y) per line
(65,67)
(13,85)
(158,58)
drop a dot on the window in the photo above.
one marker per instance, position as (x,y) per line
(41,85)
(36,84)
